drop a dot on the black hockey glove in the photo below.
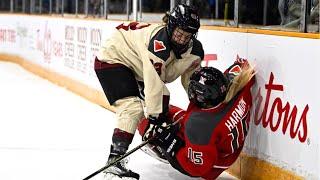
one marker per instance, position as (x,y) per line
(152,123)
(167,138)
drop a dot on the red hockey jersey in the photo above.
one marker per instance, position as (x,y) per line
(213,137)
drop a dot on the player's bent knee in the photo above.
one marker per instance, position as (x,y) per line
(129,111)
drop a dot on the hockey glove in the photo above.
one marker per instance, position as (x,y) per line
(152,123)
(167,138)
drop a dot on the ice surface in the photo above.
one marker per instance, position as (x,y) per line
(49,133)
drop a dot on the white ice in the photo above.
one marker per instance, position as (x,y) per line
(50,133)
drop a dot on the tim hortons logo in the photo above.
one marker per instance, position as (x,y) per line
(281,115)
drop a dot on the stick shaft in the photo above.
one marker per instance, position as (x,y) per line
(119,159)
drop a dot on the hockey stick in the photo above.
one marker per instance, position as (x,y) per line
(127,154)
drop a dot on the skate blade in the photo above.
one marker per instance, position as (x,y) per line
(110,176)
(128,178)
(149,152)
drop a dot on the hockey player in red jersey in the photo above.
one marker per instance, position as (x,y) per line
(133,67)
(211,132)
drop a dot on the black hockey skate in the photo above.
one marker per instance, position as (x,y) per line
(120,143)
(119,169)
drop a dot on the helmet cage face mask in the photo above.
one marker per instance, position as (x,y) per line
(208,87)
(181,37)
(200,94)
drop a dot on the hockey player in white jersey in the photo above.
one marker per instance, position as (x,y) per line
(133,67)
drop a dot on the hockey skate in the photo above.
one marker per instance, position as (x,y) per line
(119,170)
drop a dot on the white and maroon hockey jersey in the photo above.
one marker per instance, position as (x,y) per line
(146,50)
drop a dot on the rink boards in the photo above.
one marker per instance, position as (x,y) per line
(283,140)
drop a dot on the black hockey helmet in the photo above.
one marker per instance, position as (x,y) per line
(185,17)
(208,87)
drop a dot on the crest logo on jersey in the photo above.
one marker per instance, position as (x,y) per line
(235,70)
(158,46)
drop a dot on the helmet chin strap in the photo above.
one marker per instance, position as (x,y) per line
(179,49)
